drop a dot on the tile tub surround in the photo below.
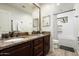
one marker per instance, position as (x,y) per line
(25,38)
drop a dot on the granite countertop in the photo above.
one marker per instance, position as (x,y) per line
(6,43)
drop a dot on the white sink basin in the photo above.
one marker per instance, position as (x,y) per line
(14,40)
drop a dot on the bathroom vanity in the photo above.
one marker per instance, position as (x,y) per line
(31,45)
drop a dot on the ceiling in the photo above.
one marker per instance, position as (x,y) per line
(61,7)
(27,7)
(65,6)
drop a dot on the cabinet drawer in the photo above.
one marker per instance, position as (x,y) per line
(38,49)
(38,41)
(10,50)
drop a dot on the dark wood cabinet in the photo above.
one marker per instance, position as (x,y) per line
(24,49)
(46,44)
(37,47)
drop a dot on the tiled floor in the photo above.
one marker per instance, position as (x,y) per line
(62,52)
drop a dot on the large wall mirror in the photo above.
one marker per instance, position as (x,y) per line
(16,17)
(22,17)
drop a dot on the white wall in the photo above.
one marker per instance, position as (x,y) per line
(8,13)
(76,6)
(45,11)
(68,36)
(50,9)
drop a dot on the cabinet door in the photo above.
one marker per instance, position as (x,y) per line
(38,47)
(46,44)
(24,49)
